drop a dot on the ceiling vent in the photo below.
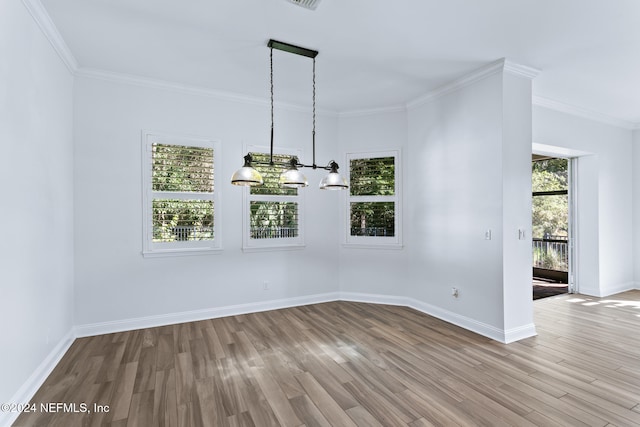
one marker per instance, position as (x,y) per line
(308,4)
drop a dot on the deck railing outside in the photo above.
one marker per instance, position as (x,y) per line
(551,252)
(371,231)
(273,232)
(182,233)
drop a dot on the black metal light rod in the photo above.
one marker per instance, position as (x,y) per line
(300,165)
(330,167)
(314,166)
(292,48)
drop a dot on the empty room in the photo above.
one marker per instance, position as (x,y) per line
(320,213)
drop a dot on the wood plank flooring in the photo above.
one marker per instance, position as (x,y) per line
(354,364)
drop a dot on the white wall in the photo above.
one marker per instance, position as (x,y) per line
(36,169)
(460,178)
(469,172)
(455,146)
(516,193)
(113,281)
(373,271)
(636,207)
(604,209)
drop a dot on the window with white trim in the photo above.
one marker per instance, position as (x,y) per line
(273,216)
(373,203)
(180,201)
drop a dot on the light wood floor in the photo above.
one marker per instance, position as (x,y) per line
(346,364)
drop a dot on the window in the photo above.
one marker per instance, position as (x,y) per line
(373,203)
(181,207)
(272,212)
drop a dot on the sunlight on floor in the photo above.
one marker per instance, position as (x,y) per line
(622,303)
(607,303)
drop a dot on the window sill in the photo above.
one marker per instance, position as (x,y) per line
(180,252)
(272,248)
(388,246)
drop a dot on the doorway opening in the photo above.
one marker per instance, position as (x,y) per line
(551,225)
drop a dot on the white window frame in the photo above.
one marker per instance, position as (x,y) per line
(375,242)
(267,244)
(160,249)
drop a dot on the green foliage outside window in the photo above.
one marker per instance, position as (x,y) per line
(550,212)
(373,219)
(178,170)
(181,168)
(272,219)
(182,220)
(550,215)
(372,177)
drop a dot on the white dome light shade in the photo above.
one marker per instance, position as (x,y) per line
(292,177)
(247,175)
(333,181)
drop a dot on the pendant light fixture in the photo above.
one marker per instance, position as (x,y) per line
(292,177)
(247,175)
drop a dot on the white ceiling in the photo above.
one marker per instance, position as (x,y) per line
(373,53)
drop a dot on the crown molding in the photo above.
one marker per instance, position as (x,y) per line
(373,111)
(573,110)
(48,28)
(481,73)
(135,80)
(457,84)
(460,83)
(520,70)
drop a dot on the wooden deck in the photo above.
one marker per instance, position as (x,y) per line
(346,364)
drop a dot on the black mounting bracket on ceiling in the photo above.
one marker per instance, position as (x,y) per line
(292,48)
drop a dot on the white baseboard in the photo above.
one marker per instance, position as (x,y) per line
(592,292)
(503,336)
(609,290)
(520,333)
(458,320)
(195,315)
(489,331)
(373,298)
(622,287)
(35,381)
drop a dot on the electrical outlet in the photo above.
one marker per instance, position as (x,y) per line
(454,292)
(487,234)
(265,286)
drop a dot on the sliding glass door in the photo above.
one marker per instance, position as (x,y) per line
(550,225)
